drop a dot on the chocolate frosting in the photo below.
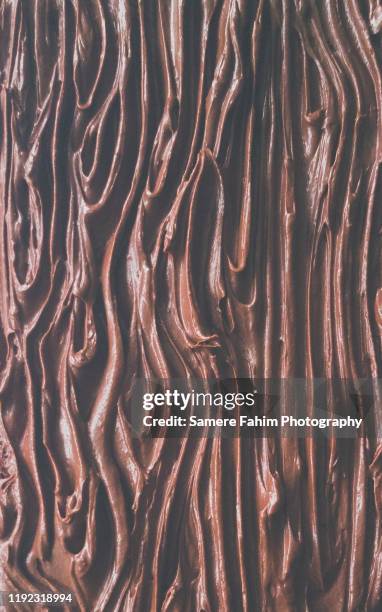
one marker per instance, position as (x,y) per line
(188,188)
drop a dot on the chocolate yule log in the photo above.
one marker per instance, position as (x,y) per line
(191,202)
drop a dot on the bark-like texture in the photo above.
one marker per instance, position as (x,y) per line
(187,188)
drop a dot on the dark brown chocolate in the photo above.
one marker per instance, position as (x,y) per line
(188,188)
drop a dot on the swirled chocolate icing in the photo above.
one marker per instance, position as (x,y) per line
(188,188)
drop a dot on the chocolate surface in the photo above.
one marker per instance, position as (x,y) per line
(188,188)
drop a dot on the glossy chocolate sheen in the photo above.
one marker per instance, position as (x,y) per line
(187,188)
